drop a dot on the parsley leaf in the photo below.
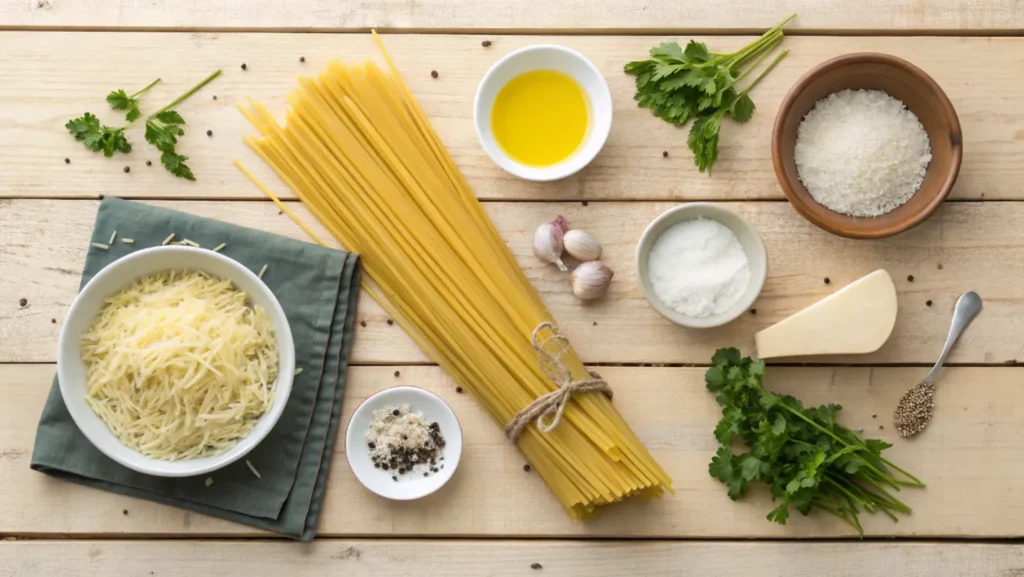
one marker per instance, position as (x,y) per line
(679,85)
(121,100)
(98,137)
(806,457)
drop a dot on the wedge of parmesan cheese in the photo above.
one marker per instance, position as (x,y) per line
(857,319)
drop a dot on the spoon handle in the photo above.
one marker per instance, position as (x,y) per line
(967,307)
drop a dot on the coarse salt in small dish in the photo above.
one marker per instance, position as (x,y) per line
(417,402)
(707,313)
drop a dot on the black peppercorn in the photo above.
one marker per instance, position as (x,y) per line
(302,58)
(595,323)
(395,412)
(209,133)
(425,474)
(244,67)
(149,163)
(384,466)
(940,266)
(124,511)
(910,278)
(585,203)
(753,311)
(928,303)
(390,322)
(485,43)
(67,161)
(362,323)
(394,478)
(433,74)
(397,373)
(536,566)
(664,154)
(371,445)
(23,302)
(53,321)
(458,390)
(827,280)
(215,97)
(526,467)
(127,169)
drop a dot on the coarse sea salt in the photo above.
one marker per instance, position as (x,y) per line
(861,152)
(698,268)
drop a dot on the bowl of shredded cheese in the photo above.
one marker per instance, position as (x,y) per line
(175,361)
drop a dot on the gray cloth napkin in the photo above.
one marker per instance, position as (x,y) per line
(317,288)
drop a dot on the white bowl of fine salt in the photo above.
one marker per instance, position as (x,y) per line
(701,265)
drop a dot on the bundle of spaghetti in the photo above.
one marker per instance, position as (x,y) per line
(360,154)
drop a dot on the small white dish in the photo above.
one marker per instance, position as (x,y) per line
(745,232)
(71,369)
(408,487)
(545,57)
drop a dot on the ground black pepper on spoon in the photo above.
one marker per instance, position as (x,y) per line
(914,411)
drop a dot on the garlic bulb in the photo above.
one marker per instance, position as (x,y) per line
(590,280)
(547,242)
(581,245)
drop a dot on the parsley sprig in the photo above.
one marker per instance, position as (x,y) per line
(808,460)
(163,128)
(680,85)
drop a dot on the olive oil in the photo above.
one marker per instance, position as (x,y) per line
(540,118)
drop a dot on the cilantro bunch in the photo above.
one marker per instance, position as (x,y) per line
(680,84)
(807,459)
(163,128)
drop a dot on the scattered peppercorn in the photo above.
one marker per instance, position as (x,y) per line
(485,43)
(526,467)
(395,412)
(940,266)
(244,67)
(433,74)
(23,302)
(425,474)
(362,323)
(209,133)
(927,303)
(910,278)
(874,415)
(102,197)
(397,373)
(585,203)
(127,169)
(67,161)
(536,566)
(664,154)
(458,390)
(149,163)
(595,323)
(53,321)
(390,322)
(302,58)
(753,311)
(124,511)
(394,478)
(215,97)
(827,280)
(881,426)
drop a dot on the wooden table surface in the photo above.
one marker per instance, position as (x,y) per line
(60,58)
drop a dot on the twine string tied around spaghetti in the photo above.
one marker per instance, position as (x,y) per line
(546,410)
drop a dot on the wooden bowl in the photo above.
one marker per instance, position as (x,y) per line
(901,80)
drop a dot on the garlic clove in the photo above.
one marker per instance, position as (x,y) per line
(561,224)
(590,280)
(547,243)
(581,245)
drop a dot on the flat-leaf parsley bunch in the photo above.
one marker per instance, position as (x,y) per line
(680,84)
(808,460)
(163,128)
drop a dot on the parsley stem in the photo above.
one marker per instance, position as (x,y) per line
(192,91)
(150,85)
(754,65)
(765,72)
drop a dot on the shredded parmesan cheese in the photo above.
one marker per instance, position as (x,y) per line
(100,245)
(188,242)
(113,235)
(179,366)
(168,240)
(128,240)
(219,247)
(208,482)
(262,270)
(253,469)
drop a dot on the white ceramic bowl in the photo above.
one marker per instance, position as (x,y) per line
(545,57)
(407,487)
(71,369)
(745,233)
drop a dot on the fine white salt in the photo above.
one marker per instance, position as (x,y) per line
(861,152)
(698,268)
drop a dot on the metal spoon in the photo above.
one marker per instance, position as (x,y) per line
(915,407)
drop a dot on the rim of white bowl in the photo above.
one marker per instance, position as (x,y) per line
(452,464)
(247,443)
(700,209)
(589,149)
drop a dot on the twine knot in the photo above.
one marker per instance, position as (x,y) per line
(546,410)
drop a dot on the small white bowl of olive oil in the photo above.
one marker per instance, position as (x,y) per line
(543,112)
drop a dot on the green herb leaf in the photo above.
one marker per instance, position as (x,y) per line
(742,109)
(175,164)
(696,52)
(98,137)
